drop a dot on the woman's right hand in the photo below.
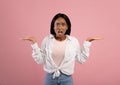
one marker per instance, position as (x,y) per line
(29,38)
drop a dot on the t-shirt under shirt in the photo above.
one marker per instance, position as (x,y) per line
(58,51)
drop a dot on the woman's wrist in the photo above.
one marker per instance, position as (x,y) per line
(33,42)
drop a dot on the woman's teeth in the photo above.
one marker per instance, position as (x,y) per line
(59,31)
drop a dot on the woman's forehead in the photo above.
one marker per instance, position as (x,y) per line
(60,19)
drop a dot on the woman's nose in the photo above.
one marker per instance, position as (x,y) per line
(60,26)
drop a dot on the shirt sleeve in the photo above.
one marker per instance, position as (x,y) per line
(83,53)
(37,54)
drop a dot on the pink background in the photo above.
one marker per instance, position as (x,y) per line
(19,18)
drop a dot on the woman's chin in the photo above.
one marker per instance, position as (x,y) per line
(60,35)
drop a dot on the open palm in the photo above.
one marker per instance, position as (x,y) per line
(93,38)
(29,38)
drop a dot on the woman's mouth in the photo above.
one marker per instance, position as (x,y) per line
(60,32)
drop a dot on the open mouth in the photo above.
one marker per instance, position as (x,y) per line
(60,32)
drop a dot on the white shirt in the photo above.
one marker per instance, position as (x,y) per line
(72,53)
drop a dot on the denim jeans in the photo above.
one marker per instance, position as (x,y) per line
(61,80)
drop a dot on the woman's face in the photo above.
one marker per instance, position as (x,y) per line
(60,27)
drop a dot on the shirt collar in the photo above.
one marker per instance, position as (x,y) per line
(52,37)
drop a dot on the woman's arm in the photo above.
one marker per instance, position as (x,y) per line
(83,53)
(37,54)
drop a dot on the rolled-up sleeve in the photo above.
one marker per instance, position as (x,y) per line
(83,53)
(37,54)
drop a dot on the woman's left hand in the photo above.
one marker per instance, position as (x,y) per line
(93,38)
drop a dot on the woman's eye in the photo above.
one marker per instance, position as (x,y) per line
(57,24)
(63,24)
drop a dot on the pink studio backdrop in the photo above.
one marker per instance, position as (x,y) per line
(19,18)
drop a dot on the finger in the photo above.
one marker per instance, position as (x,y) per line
(98,38)
(24,38)
(21,38)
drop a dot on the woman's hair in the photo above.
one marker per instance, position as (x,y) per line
(68,31)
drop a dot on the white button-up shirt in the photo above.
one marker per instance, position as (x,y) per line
(72,52)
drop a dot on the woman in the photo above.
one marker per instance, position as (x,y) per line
(59,51)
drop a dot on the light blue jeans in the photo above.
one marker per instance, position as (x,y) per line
(61,80)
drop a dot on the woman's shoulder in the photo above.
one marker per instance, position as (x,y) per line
(47,38)
(73,38)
